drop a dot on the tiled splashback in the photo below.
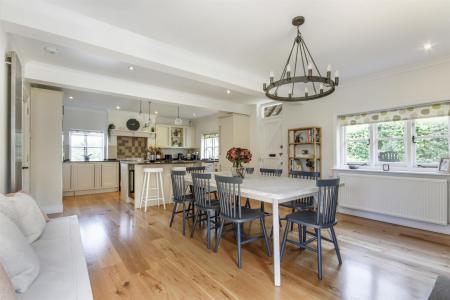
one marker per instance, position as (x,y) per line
(131,147)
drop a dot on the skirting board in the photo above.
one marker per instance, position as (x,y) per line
(90,192)
(445,229)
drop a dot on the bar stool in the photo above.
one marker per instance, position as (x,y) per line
(146,187)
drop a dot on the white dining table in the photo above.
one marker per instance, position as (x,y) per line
(274,190)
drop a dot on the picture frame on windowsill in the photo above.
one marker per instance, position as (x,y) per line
(386,167)
(444,165)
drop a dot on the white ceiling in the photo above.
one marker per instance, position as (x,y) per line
(31,49)
(357,37)
(96,101)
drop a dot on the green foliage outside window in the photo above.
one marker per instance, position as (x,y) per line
(431,140)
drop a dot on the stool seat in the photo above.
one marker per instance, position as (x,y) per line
(158,187)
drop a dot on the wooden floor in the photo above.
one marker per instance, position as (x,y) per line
(136,255)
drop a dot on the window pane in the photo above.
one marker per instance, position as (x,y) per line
(391,150)
(76,140)
(432,126)
(76,154)
(357,132)
(430,151)
(357,151)
(95,153)
(95,141)
(391,129)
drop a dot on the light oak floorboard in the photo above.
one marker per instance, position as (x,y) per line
(136,255)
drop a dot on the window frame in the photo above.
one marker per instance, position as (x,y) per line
(214,149)
(410,162)
(85,134)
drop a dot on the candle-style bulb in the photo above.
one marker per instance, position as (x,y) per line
(321,88)
(336,77)
(264,86)
(288,71)
(310,69)
(271,76)
(306,91)
(329,72)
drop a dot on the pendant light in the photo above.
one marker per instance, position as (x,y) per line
(140,108)
(178,120)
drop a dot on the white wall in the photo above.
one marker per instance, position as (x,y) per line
(209,124)
(83,119)
(3,115)
(399,87)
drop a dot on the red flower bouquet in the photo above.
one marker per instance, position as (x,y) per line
(238,156)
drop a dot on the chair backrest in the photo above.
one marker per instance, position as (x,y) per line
(178,185)
(305,175)
(229,192)
(270,172)
(201,187)
(198,169)
(327,200)
(249,170)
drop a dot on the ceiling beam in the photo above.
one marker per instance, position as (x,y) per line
(53,24)
(38,72)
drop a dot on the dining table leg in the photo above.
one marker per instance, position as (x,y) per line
(276,243)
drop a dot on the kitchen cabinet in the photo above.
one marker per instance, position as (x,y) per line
(162,136)
(67,175)
(90,177)
(174,136)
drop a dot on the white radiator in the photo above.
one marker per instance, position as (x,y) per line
(421,199)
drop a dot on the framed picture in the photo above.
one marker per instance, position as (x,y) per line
(444,165)
(385,167)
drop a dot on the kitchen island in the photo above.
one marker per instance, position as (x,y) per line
(132,175)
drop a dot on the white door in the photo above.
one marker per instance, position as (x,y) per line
(272,144)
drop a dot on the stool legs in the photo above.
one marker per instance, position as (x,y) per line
(162,190)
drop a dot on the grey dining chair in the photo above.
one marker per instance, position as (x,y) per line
(249,171)
(205,206)
(269,172)
(306,202)
(324,217)
(229,190)
(198,169)
(181,198)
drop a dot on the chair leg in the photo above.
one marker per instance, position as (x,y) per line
(292,225)
(336,246)
(300,233)
(162,190)
(319,254)
(238,238)
(247,203)
(215,223)
(262,206)
(208,228)
(173,213)
(285,236)
(195,222)
(266,238)
(303,234)
(184,218)
(219,237)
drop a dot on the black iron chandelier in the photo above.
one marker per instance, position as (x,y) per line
(306,82)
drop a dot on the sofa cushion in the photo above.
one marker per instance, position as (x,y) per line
(63,272)
(17,255)
(6,288)
(23,210)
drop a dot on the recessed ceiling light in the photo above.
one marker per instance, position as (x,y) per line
(117,107)
(194,114)
(156,112)
(427,46)
(228,92)
(51,49)
(131,68)
(71,97)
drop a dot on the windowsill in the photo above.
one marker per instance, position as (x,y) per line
(395,171)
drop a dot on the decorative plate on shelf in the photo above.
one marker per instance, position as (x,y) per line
(133,124)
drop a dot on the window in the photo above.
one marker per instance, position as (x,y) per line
(411,143)
(390,140)
(430,140)
(210,146)
(86,145)
(356,143)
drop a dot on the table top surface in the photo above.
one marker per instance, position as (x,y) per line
(271,188)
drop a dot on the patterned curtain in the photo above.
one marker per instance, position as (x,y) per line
(406,113)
